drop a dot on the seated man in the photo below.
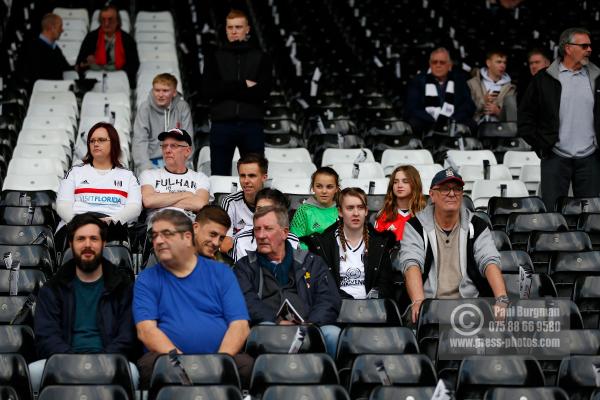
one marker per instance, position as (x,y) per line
(187,303)
(494,95)
(276,272)
(240,206)
(433,266)
(438,96)
(244,240)
(86,306)
(109,48)
(165,109)
(210,229)
(44,59)
(174,185)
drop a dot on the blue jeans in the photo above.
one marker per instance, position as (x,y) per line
(331,334)
(247,136)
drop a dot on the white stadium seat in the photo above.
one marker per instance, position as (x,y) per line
(531,176)
(154,37)
(45,85)
(43,151)
(46,136)
(31,183)
(427,172)
(289,170)
(456,158)
(55,98)
(380,184)
(515,160)
(153,16)
(49,122)
(73,13)
(300,155)
(151,26)
(299,186)
(70,50)
(391,158)
(109,81)
(368,170)
(224,184)
(472,173)
(334,156)
(36,166)
(483,190)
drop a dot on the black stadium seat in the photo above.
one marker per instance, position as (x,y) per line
(533,393)
(542,245)
(369,312)
(519,226)
(8,393)
(578,375)
(32,256)
(573,207)
(586,294)
(16,215)
(499,208)
(501,240)
(299,392)
(511,260)
(18,339)
(264,339)
(566,268)
(590,223)
(29,281)
(401,392)
(14,373)
(98,392)
(212,392)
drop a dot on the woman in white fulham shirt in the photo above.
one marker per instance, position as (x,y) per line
(357,255)
(100,184)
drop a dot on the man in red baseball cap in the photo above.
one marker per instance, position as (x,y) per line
(447,251)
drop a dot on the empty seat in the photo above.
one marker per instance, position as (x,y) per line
(35,199)
(480,373)
(365,169)
(501,240)
(427,172)
(299,392)
(391,158)
(531,176)
(573,207)
(375,186)
(24,235)
(586,294)
(511,260)
(402,370)
(578,375)
(17,339)
(533,393)
(541,287)
(402,393)
(224,184)
(291,369)
(212,392)
(278,339)
(483,190)
(14,373)
(202,369)
(542,245)
(566,268)
(35,256)
(287,155)
(31,183)
(289,170)
(40,168)
(472,173)
(299,186)
(29,281)
(557,311)
(499,208)
(88,369)
(456,158)
(12,215)
(336,156)
(82,392)
(519,226)
(590,223)
(516,159)
(369,311)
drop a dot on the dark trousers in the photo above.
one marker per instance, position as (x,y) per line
(558,172)
(248,136)
(145,366)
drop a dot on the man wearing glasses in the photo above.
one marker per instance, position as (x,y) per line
(187,303)
(448,252)
(174,185)
(559,116)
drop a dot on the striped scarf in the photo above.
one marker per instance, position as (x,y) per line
(441,114)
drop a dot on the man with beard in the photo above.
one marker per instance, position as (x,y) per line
(559,116)
(210,229)
(86,306)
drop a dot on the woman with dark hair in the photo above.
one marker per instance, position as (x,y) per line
(357,255)
(100,184)
(244,241)
(403,200)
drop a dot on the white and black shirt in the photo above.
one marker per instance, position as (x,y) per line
(352,269)
(238,210)
(244,241)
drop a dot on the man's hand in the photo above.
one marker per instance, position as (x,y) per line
(250,83)
(491,109)
(415,307)
(285,322)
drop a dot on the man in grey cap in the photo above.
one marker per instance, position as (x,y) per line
(448,252)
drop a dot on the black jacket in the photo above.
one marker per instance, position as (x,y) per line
(539,109)
(378,266)
(132,62)
(55,313)
(41,61)
(224,82)
(314,285)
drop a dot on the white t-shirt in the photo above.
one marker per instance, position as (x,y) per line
(92,190)
(163,181)
(352,269)
(243,242)
(241,215)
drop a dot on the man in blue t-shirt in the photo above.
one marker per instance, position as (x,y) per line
(187,303)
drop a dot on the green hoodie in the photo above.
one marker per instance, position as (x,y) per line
(311,217)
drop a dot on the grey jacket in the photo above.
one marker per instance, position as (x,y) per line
(413,250)
(150,121)
(506,100)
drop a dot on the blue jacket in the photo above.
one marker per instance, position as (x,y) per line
(55,313)
(414,108)
(314,284)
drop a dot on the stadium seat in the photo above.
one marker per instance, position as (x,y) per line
(73,13)
(289,170)
(38,167)
(541,287)
(483,190)
(66,97)
(33,256)
(224,185)
(299,392)
(29,281)
(529,393)
(531,175)
(586,294)
(202,369)
(511,260)
(402,392)
(213,392)
(153,16)
(480,373)
(336,156)
(590,223)
(46,136)
(573,207)
(369,312)
(43,85)
(501,240)
(427,172)
(14,373)
(458,158)
(35,199)
(559,311)
(402,370)
(578,375)
(374,186)
(81,392)
(32,182)
(291,369)
(287,155)
(88,369)
(365,170)
(18,339)
(566,268)
(472,173)
(391,158)
(55,151)
(157,37)
(12,215)
(519,226)
(543,245)
(499,208)
(515,160)
(267,339)
(8,393)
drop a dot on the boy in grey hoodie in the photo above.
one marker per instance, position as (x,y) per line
(165,109)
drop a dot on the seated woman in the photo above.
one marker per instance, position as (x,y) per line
(404,198)
(357,255)
(101,184)
(244,241)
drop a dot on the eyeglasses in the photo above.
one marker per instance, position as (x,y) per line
(445,190)
(584,46)
(172,146)
(438,62)
(165,234)
(101,140)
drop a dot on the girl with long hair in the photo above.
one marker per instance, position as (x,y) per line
(404,198)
